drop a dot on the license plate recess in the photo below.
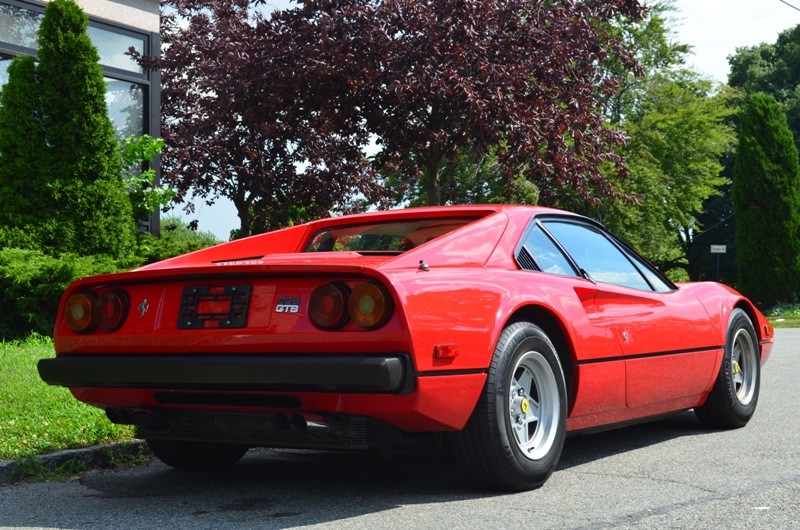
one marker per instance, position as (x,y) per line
(223,306)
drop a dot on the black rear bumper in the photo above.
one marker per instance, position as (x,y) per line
(307,373)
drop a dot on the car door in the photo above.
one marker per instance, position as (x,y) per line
(666,337)
(600,368)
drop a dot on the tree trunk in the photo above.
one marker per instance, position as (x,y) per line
(431,172)
(245,219)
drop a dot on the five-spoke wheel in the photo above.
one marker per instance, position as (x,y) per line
(533,405)
(744,361)
(514,438)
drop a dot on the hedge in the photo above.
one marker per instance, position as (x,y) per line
(31,284)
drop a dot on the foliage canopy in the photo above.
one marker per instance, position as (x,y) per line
(773,68)
(679,129)
(278,110)
(679,134)
(21,139)
(766,201)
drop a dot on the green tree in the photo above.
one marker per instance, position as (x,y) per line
(718,227)
(80,153)
(678,128)
(653,44)
(678,134)
(766,202)
(21,141)
(138,153)
(773,68)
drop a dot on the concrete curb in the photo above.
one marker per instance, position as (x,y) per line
(96,457)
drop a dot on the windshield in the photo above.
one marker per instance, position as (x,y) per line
(393,237)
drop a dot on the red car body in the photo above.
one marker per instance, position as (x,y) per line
(625,353)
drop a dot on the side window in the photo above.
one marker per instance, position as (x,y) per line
(655,280)
(597,255)
(546,255)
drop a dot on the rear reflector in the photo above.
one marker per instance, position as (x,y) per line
(445,351)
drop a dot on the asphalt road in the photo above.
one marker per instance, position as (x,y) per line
(669,473)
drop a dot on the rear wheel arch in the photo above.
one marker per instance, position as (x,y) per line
(556,332)
(515,435)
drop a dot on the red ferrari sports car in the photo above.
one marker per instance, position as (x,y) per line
(505,327)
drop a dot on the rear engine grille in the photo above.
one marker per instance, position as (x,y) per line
(263,430)
(227,399)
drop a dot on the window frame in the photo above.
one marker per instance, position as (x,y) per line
(308,243)
(634,258)
(533,225)
(149,80)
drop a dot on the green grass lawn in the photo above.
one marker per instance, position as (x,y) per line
(36,418)
(785,316)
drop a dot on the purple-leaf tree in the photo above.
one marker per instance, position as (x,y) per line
(274,158)
(428,79)
(276,110)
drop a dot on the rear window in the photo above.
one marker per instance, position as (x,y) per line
(393,237)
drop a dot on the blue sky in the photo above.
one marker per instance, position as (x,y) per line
(715,28)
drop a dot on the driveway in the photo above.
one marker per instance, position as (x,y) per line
(668,473)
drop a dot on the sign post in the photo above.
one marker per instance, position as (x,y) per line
(718,249)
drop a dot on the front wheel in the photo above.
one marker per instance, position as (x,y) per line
(196,456)
(733,399)
(514,437)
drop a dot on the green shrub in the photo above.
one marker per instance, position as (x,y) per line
(138,153)
(81,151)
(31,284)
(21,139)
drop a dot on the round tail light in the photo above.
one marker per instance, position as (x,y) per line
(370,305)
(112,309)
(79,312)
(328,305)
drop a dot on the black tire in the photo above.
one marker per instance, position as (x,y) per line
(196,456)
(732,401)
(506,444)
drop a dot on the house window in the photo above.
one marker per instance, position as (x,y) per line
(18,25)
(112,45)
(125,102)
(130,104)
(5,60)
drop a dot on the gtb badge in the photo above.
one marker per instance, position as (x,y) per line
(287,304)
